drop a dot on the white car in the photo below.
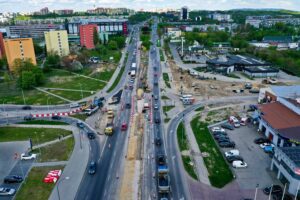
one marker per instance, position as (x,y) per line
(214,129)
(7,191)
(239,164)
(263,145)
(28,156)
(233,152)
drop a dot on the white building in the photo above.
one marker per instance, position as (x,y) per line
(220,17)
(173,32)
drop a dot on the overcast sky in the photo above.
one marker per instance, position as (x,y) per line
(35,5)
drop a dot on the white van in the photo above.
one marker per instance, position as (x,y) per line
(74,105)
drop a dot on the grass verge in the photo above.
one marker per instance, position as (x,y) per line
(164,97)
(44,122)
(59,151)
(167,119)
(183,146)
(34,188)
(167,108)
(80,116)
(166,79)
(117,80)
(199,109)
(219,171)
(37,135)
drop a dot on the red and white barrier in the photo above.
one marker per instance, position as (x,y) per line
(56,114)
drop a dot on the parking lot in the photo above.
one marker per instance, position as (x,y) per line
(258,170)
(7,161)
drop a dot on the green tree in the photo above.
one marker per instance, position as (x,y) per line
(22,65)
(38,75)
(112,45)
(27,80)
(6,78)
(3,63)
(95,37)
(52,61)
(38,49)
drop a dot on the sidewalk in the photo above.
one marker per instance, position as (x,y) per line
(51,142)
(73,173)
(49,164)
(200,167)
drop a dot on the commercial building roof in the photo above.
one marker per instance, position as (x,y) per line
(261,69)
(293,153)
(237,60)
(282,119)
(286,91)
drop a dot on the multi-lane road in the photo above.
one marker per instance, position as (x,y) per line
(104,184)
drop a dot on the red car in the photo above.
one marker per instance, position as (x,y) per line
(50,179)
(124,127)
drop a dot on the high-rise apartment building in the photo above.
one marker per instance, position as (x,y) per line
(87,35)
(57,42)
(184,13)
(21,48)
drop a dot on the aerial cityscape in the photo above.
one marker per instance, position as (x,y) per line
(150,99)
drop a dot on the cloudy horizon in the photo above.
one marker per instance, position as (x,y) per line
(36,5)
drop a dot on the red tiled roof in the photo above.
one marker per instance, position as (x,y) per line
(279,116)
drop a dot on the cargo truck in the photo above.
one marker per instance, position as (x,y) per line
(163,177)
(109,129)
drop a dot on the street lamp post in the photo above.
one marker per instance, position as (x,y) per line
(4,112)
(48,104)
(81,90)
(58,182)
(255,195)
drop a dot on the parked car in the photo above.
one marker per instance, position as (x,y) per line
(92,167)
(157,141)
(263,145)
(4,191)
(233,152)
(26,107)
(13,179)
(28,118)
(124,126)
(91,135)
(220,136)
(219,133)
(222,140)
(80,125)
(217,129)
(261,140)
(227,126)
(234,158)
(155,106)
(239,164)
(56,117)
(227,144)
(28,156)
(275,189)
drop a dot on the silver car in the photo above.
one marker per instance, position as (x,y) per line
(7,191)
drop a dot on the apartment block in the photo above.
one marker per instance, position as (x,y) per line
(21,48)
(87,35)
(2,50)
(57,42)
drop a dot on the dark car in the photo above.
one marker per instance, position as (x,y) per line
(221,140)
(161,160)
(227,144)
(80,125)
(128,105)
(56,117)
(28,118)
(275,189)
(234,158)
(91,135)
(227,126)
(220,134)
(92,168)
(261,140)
(26,107)
(13,179)
(157,141)
(157,119)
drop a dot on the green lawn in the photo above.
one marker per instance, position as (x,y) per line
(71,95)
(188,167)
(167,119)
(105,75)
(219,171)
(34,188)
(166,79)
(43,122)
(117,80)
(116,54)
(37,135)
(10,94)
(167,108)
(60,151)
